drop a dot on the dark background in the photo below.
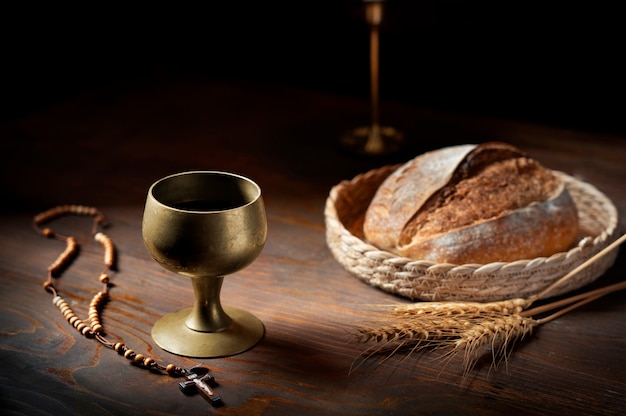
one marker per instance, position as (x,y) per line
(556,63)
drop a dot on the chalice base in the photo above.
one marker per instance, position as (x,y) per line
(171,334)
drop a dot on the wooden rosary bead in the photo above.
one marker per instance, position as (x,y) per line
(109,250)
(104,278)
(149,362)
(171,369)
(65,257)
(138,358)
(60,303)
(60,210)
(119,347)
(83,210)
(130,354)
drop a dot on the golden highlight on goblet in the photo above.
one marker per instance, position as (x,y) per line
(204,225)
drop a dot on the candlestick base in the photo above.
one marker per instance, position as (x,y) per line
(373,140)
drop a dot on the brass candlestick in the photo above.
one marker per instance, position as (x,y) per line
(374,139)
(204,225)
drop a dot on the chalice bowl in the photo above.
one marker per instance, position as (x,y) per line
(205,225)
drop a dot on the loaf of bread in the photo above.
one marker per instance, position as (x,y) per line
(472,204)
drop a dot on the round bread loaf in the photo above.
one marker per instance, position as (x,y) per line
(472,204)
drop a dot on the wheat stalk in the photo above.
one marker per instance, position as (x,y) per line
(470,328)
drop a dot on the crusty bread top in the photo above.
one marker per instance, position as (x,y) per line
(396,199)
(462,187)
(496,188)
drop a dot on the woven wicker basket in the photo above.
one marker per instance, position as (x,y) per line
(425,280)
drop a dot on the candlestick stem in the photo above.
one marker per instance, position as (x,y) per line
(374,139)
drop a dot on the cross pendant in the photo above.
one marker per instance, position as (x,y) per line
(200,380)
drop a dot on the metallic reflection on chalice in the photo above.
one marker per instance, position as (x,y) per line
(204,225)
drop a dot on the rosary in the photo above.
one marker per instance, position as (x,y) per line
(197,379)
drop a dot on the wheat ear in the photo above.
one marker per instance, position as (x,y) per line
(498,334)
(470,327)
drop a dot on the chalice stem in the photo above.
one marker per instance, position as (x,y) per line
(207,314)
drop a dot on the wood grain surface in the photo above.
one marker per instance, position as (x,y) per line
(106,147)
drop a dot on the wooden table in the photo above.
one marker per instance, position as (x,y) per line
(105,148)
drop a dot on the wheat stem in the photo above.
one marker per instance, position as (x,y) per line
(566,310)
(563,302)
(577,270)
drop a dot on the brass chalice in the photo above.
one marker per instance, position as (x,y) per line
(204,225)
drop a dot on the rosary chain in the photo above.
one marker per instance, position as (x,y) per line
(92,328)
